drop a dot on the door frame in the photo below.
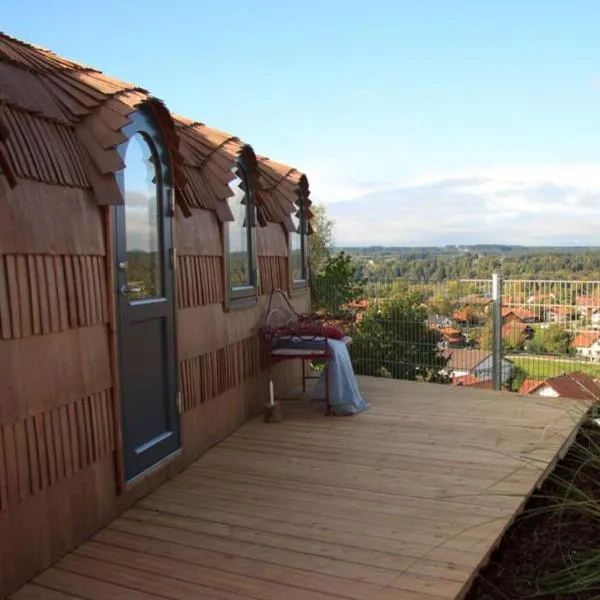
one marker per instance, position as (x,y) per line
(124,485)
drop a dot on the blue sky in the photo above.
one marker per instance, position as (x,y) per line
(375,98)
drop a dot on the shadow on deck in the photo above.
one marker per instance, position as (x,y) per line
(405,501)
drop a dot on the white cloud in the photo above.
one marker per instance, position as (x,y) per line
(519,205)
(585,175)
(334,180)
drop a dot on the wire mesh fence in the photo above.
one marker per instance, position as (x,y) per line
(519,335)
(550,331)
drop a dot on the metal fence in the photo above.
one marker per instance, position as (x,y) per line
(514,335)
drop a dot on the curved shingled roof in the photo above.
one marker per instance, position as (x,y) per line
(285,189)
(61,123)
(210,160)
(63,120)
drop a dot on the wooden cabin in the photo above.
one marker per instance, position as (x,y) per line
(137,252)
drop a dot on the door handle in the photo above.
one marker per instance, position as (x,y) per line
(129,289)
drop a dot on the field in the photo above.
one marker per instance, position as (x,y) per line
(541,368)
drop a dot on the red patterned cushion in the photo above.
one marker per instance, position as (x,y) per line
(314,329)
(333,332)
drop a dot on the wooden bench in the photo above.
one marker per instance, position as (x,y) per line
(289,335)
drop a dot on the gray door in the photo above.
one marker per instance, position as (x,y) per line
(145,301)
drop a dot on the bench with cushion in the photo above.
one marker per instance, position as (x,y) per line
(289,335)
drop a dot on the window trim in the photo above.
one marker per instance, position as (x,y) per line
(247,295)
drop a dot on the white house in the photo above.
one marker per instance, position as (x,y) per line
(560,314)
(587,344)
(595,317)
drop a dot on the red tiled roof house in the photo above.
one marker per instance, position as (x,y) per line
(587,344)
(530,385)
(577,386)
(586,305)
(518,314)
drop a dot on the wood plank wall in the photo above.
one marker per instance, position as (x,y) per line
(273,273)
(211,374)
(221,351)
(57,440)
(199,280)
(42,294)
(52,445)
(56,406)
(272,250)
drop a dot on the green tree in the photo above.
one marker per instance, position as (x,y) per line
(518,377)
(553,340)
(393,340)
(440,304)
(321,240)
(336,285)
(435,264)
(475,314)
(512,338)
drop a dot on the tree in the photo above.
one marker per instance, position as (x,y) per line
(475,314)
(336,285)
(321,240)
(439,304)
(517,378)
(512,338)
(393,340)
(553,340)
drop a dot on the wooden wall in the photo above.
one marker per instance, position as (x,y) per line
(220,351)
(58,411)
(57,435)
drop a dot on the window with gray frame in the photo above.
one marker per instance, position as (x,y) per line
(241,251)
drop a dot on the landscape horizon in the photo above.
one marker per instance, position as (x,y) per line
(499,247)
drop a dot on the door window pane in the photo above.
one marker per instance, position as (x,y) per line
(143,222)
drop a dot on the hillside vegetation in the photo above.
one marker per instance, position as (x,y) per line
(473,262)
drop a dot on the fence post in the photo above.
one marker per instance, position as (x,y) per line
(497,331)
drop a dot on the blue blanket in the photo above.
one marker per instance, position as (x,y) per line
(344,395)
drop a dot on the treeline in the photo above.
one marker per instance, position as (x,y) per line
(440,264)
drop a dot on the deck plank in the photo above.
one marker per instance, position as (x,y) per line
(37,592)
(194,555)
(404,501)
(281,510)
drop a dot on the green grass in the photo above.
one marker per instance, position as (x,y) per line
(543,368)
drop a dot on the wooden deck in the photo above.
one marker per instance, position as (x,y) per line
(405,501)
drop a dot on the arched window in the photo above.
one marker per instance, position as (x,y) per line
(143,219)
(241,255)
(299,245)
(143,223)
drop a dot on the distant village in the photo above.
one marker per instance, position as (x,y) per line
(465,331)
